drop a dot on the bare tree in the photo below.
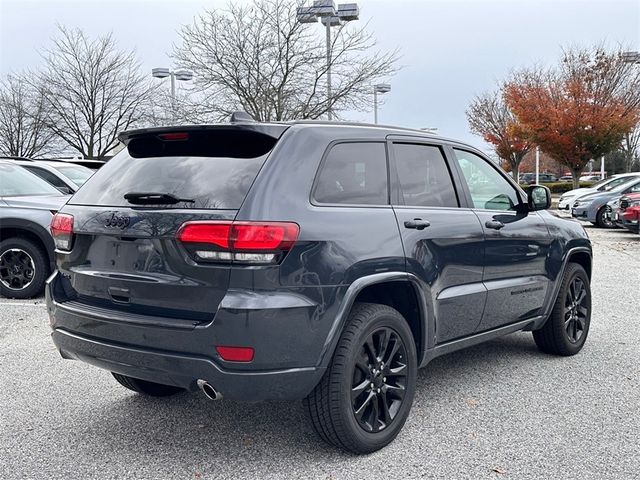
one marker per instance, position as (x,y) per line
(92,91)
(260,59)
(490,117)
(631,148)
(23,130)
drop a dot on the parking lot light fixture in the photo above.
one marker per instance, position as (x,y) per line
(326,11)
(378,88)
(180,75)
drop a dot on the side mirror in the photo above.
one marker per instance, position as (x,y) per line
(538,198)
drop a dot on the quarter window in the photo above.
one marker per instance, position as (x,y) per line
(353,174)
(424,177)
(489,190)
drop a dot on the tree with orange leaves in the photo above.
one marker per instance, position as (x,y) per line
(580,110)
(490,117)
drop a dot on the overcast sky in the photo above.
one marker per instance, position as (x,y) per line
(450,49)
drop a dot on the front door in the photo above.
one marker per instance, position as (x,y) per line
(516,244)
(442,242)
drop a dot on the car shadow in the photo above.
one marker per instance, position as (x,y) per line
(196,429)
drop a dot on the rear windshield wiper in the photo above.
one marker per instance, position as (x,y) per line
(154,198)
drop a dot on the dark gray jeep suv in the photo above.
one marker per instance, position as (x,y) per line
(316,261)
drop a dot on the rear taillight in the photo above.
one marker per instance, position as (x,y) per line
(239,242)
(62,230)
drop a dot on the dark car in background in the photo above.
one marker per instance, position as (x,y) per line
(530,178)
(310,260)
(27,205)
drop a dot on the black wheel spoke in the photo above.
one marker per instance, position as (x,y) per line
(375,414)
(363,406)
(359,389)
(370,350)
(399,371)
(386,415)
(392,353)
(383,343)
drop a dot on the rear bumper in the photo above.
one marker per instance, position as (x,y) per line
(184,370)
(173,355)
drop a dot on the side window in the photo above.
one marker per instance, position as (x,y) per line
(47,176)
(489,190)
(353,173)
(424,176)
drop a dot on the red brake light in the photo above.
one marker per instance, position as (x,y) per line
(250,242)
(175,136)
(235,354)
(62,230)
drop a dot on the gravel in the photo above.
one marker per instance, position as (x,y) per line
(498,410)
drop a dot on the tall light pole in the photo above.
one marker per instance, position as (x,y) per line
(537,165)
(180,75)
(378,88)
(325,10)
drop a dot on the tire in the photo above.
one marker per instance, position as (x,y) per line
(24,268)
(560,336)
(145,387)
(602,220)
(330,405)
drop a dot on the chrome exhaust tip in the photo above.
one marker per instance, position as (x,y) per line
(209,392)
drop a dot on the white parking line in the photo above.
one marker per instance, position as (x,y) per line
(22,304)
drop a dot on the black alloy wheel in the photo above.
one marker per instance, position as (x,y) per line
(566,329)
(365,395)
(379,380)
(17,269)
(575,310)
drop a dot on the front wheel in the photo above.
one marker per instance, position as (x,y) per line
(603,218)
(24,267)
(566,330)
(364,398)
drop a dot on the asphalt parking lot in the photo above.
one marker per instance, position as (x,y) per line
(498,410)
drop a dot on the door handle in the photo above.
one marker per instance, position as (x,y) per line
(494,224)
(417,223)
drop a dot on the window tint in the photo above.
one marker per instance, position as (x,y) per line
(212,167)
(15,180)
(47,176)
(424,176)
(353,174)
(489,190)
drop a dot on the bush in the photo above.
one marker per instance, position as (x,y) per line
(561,187)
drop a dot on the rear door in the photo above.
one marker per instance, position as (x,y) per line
(442,241)
(516,243)
(125,254)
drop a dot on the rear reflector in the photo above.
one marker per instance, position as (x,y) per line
(235,354)
(246,242)
(62,230)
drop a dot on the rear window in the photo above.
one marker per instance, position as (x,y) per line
(212,169)
(16,181)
